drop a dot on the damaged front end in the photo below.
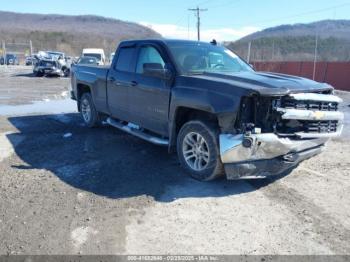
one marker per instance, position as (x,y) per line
(274,134)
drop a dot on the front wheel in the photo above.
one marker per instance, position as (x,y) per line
(66,72)
(88,110)
(198,150)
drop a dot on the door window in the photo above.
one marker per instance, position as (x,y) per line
(125,57)
(148,54)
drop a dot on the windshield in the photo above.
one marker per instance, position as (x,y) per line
(87,60)
(55,55)
(194,58)
(97,56)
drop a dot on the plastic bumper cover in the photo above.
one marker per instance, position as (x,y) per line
(261,155)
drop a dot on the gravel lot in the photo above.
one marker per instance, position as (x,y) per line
(67,189)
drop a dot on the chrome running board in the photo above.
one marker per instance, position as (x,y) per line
(133,130)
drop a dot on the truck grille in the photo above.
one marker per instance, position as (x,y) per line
(307,114)
(294,126)
(288,102)
(320,126)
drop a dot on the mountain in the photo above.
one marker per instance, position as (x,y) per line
(324,29)
(298,42)
(67,33)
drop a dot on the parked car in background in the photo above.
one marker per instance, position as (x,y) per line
(29,60)
(99,54)
(10,59)
(87,60)
(47,67)
(111,57)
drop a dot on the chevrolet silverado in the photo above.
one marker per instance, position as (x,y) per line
(204,102)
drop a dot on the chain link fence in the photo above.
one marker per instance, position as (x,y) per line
(308,48)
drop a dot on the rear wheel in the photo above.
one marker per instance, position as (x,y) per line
(88,110)
(38,74)
(198,150)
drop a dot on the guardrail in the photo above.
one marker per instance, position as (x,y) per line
(336,74)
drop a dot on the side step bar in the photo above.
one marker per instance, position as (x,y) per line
(136,132)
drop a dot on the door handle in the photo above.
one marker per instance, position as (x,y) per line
(113,80)
(133,83)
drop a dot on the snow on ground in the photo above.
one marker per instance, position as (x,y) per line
(47,107)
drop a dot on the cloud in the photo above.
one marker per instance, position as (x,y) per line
(181,32)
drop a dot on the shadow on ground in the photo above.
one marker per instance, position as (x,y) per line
(24,75)
(32,75)
(108,162)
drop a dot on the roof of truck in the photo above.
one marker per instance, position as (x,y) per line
(93,50)
(162,40)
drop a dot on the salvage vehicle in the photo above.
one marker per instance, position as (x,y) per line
(210,106)
(61,58)
(47,67)
(51,63)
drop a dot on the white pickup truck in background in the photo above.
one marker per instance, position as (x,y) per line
(95,52)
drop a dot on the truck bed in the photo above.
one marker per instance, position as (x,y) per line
(94,76)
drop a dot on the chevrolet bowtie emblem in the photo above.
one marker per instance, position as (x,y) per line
(318,115)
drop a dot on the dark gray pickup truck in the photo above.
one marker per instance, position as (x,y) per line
(206,103)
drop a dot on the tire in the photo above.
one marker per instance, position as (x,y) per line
(38,74)
(198,150)
(66,72)
(88,111)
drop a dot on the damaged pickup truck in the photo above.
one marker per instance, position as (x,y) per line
(210,106)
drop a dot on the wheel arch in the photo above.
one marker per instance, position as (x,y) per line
(81,89)
(184,114)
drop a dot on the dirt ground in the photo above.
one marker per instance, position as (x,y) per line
(68,189)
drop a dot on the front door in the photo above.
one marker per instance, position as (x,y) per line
(149,95)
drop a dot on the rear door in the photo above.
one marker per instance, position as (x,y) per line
(119,81)
(149,96)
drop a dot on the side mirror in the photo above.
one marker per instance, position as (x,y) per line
(156,70)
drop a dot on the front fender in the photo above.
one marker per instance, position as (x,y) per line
(225,107)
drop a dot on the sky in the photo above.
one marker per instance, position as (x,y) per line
(224,20)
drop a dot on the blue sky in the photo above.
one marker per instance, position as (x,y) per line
(224,20)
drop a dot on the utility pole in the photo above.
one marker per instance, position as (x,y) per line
(31,47)
(198,10)
(248,55)
(4,51)
(315,58)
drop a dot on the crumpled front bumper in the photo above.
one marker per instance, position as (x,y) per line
(49,71)
(257,154)
(262,155)
(55,72)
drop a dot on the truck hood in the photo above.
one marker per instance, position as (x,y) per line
(266,83)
